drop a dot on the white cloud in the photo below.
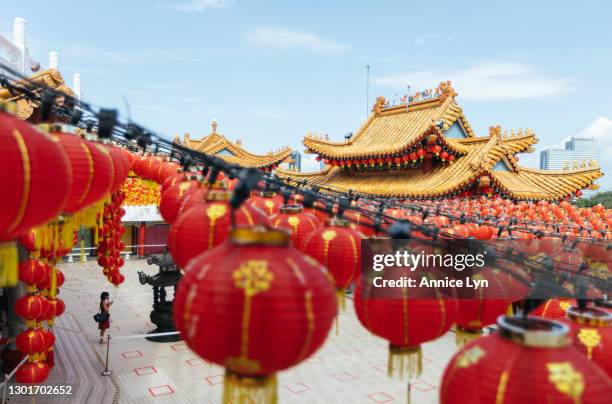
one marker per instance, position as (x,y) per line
(486,82)
(197,5)
(310,164)
(283,38)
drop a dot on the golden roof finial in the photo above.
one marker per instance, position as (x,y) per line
(446,90)
(214,126)
(379,104)
(495,131)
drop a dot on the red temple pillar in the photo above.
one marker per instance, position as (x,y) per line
(141,240)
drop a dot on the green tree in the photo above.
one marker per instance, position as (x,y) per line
(605,198)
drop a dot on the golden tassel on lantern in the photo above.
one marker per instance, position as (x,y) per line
(463,336)
(404,360)
(341,294)
(8,264)
(238,389)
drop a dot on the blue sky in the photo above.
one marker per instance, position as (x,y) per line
(272,71)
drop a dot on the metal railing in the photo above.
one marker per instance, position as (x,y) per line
(8,377)
(70,257)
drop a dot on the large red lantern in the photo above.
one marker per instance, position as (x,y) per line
(32,373)
(525,361)
(82,168)
(338,247)
(404,316)
(35,176)
(121,166)
(194,196)
(207,225)
(591,332)
(101,164)
(256,306)
(479,308)
(296,221)
(172,199)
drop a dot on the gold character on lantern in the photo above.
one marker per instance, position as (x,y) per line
(253,276)
(590,338)
(470,357)
(566,379)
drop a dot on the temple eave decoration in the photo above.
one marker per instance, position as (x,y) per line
(25,107)
(233,152)
(425,148)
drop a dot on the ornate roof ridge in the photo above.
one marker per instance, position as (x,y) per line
(428,98)
(588,167)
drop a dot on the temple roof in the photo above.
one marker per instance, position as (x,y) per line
(25,108)
(392,129)
(232,152)
(480,159)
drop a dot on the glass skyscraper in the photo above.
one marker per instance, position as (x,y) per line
(577,150)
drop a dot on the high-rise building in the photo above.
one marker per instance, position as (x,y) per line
(296,161)
(577,151)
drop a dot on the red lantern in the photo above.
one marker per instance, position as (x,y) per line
(591,332)
(32,373)
(56,308)
(299,223)
(267,201)
(121,167)
(99,159)
(553,309)
(207,225)
(32,272)
(405,317)
(172,199)
(479,308)
(35,176)
(31,341)
(254,279)
(31,307)
(362,223)
(81,167)
(526,361)
(194,196)
(338,247)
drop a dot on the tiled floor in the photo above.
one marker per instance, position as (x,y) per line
(351,367)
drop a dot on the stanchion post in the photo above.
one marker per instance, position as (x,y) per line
(106,371)
(4,389)
(409,388)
